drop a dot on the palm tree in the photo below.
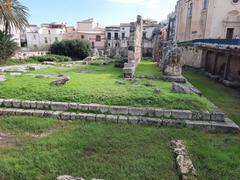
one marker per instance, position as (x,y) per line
(13,15)
(7,46)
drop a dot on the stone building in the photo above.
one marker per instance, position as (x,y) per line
(40,38)
(208,32)
(88,30)
(118,38)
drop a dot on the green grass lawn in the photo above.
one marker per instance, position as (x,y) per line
(227,99)
(97,84)
(111,151)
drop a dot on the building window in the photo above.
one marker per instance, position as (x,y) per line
(98,38)
(46,40)
(205,4)
(56,38)
(116,36)
(34,37)
(144,35)
(109,36)
(190,9)
(93,45)
(116,45)
(82,36)
(109,44)
(123,35)
(49,32)
(230,32)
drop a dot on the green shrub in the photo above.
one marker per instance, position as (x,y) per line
(102,61)
(120,62)
(7,46)
(76,49)
(51,57)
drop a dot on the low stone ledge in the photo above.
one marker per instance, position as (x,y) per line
(57,106)
(217,116)
(8,103)
(137,111)
(184,163)
(181,114)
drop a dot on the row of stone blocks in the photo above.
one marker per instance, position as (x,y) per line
(115,110)
(226,126)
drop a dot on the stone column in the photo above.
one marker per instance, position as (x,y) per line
(215,64)
(227,67)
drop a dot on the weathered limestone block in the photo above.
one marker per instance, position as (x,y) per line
(38,113)
(104,108)
(173,123)
(59,106)
(199,125)
(60,81)
(1,102)
(8,103)
(179,88)
(16,103)
(81,116)
(83,107)
(151,112)
(43,105)
(122,119)
(112,118)
(133,120)
(66,177)
(91,117)
(184,163)
(66,116)
(181,114)
(217,116)
(118,110)
(72,106)
(167,113)
(26,104)
(101,117)
(93,107)
(137,111)
(158,112)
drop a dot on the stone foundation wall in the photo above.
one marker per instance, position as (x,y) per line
(192,56)
(135,48)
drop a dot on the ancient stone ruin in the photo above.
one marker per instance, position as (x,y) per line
(171,63)
(134,48)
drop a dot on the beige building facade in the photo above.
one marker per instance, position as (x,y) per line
(203,19)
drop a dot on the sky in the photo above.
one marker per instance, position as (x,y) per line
(106,12)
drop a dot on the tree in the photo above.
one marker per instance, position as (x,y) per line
(7,46)
(13,15)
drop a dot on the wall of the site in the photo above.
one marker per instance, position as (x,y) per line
(192,56)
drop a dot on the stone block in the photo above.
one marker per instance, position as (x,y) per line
(91,117)
(104,109)
(137,111)
(83,107)
(73,116)
(112,118)
(101,117)
(159,113)
(173,123)
(59,106)
(73,106)
(16,103)
(225,127)
(48,114)
(181,114)
(81,116)
(66,116)
(7,112)
(122,119)
(1,102)
(38,113)
(8,103)
(118,110)
(40,105)
(19,112)
(167,113)
(133,119)
(93,107)
(151,112)
(33,104)
(154,122)
(198,125)
(26,104)
(27,112)
(217,116)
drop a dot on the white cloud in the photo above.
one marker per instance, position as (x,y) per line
(148,3)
